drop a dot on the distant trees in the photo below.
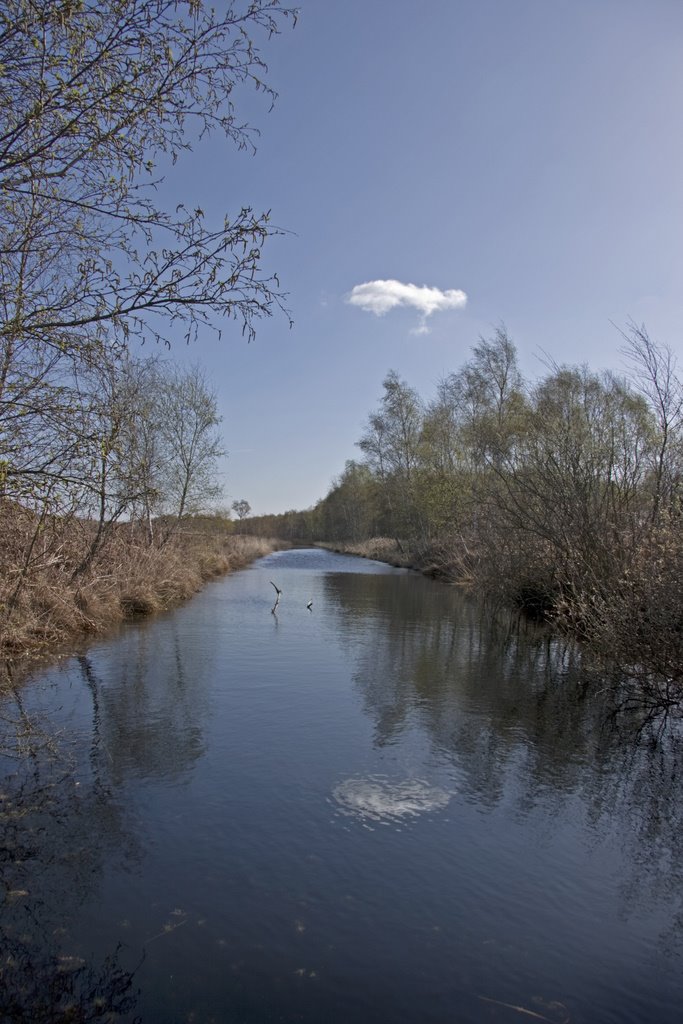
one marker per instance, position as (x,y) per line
(241,508)
(289,526)
(561,495)
(353,508)
(574,465)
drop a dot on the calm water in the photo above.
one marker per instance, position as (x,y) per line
(381,809)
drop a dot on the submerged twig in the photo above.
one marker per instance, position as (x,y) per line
(166,930)
(525,1011)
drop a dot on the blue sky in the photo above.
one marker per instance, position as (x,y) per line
(528,153)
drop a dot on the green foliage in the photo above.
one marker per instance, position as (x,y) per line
(391,446)
(562,496)
(353,508)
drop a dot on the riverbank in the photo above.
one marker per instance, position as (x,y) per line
(430,562)
(629,635)
(46,603)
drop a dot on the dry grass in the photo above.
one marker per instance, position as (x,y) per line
(435,559)
(381,549)
(44,605)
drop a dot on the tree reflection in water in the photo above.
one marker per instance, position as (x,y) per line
(62,819)
(510,708)
(51,855)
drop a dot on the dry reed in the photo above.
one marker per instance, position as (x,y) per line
(45,603)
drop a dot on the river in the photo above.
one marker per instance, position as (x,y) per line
(381,808)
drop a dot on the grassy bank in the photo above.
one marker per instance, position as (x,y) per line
(46,602)
(432,560)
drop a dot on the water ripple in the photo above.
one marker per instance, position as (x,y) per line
(376,798)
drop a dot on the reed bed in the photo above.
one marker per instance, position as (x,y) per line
(46,603)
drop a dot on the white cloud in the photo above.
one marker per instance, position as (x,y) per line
(379,297)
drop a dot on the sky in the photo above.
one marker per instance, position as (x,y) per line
(440,169)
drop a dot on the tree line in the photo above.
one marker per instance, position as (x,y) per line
(561,496)
(125,438)
(101,98)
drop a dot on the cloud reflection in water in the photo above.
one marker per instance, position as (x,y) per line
(378,799)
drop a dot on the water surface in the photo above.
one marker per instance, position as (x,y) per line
(381,808)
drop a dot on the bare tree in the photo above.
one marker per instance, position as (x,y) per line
(241,508)
(187,411)
(100,99)
(121,444)
(653,369)
(94,94)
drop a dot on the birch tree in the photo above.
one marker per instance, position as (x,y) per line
(187,411)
